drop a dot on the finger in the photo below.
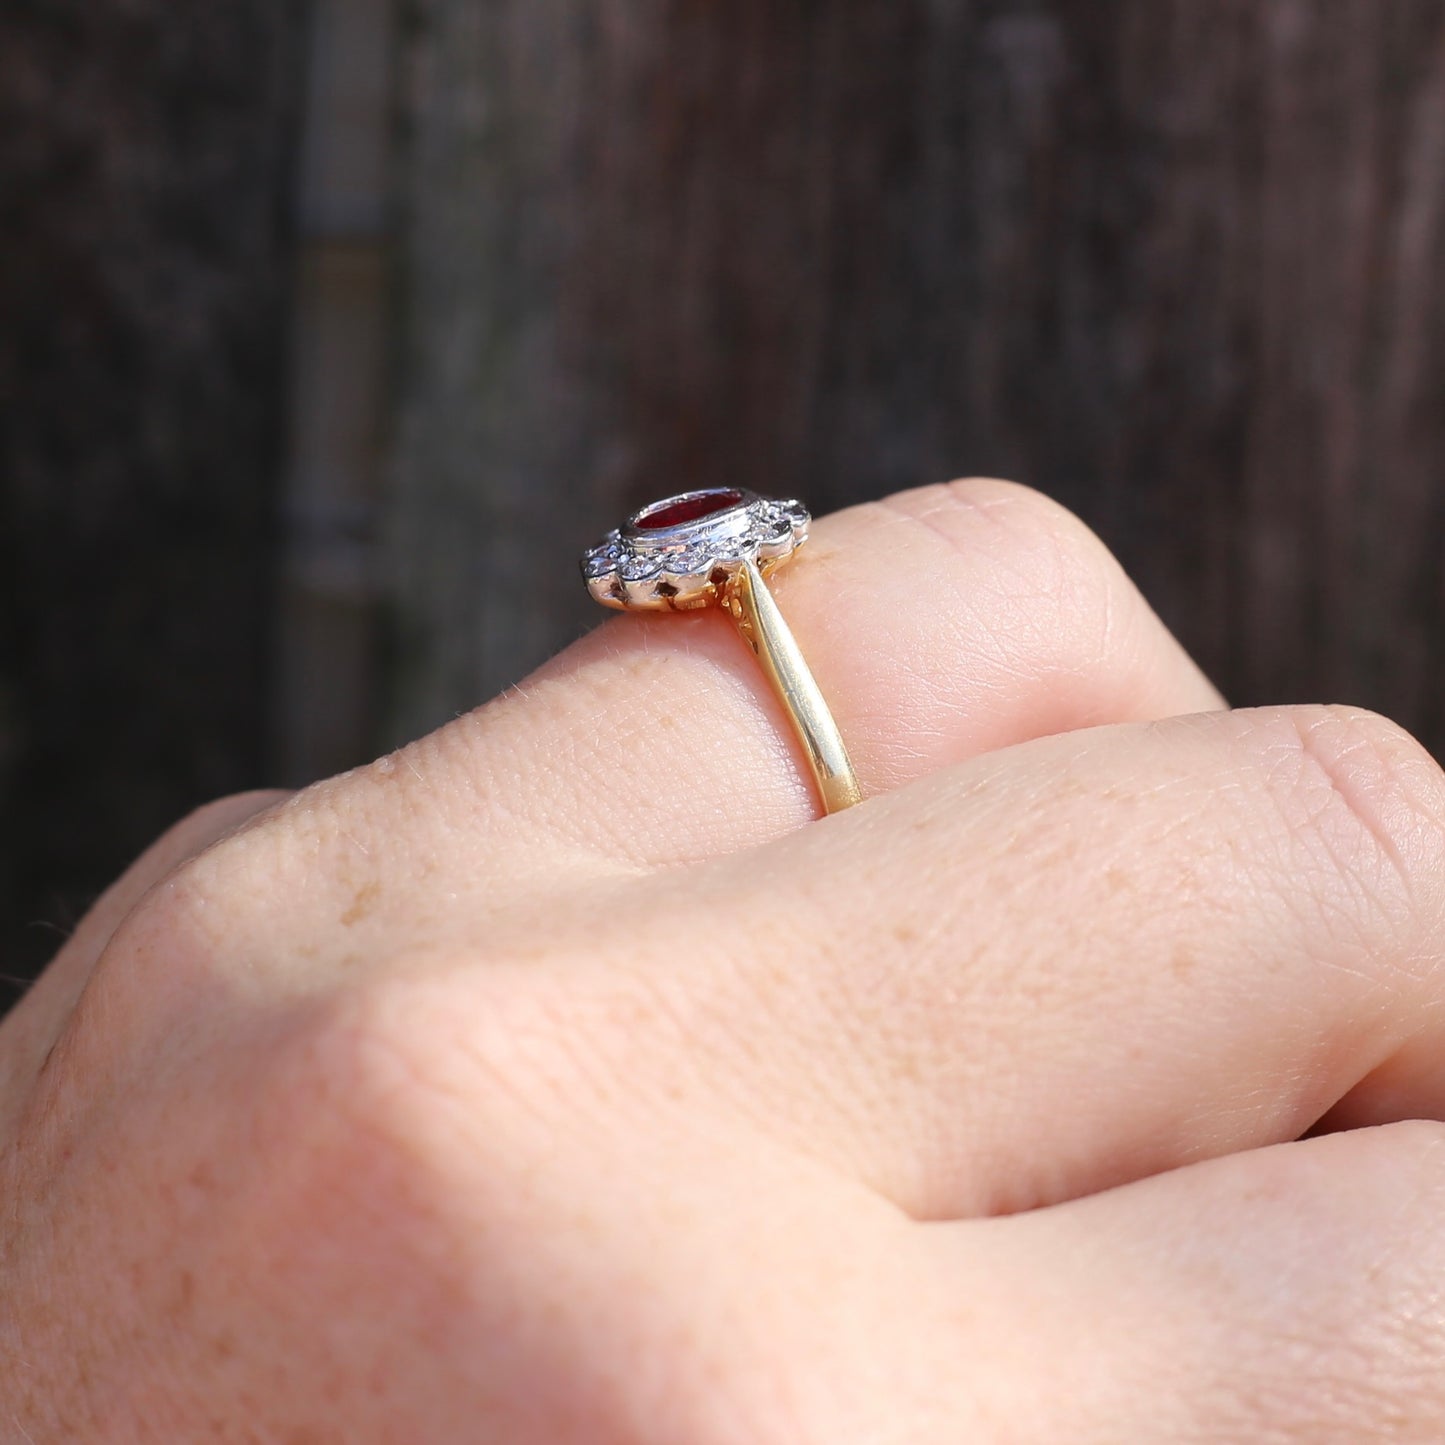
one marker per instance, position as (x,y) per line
(1079,962)
(1291,1293)
(940,624)
(28,1031)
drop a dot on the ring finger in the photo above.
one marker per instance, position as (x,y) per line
(940,624)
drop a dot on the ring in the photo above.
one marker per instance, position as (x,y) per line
(716,548)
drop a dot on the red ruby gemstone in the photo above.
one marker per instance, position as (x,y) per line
(675,512)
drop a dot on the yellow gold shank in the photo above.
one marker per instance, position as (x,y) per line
(752,607)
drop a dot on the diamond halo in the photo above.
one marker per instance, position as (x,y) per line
(677,553)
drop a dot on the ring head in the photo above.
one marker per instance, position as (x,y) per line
(680,552)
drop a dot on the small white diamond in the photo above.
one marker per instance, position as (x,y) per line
(738,551)
(598,561)
(636,566)
(773,524)
(689,561)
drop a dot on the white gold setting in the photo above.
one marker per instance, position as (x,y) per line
(680,553)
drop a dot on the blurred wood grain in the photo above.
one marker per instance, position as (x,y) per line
(146,156)
(1180,263)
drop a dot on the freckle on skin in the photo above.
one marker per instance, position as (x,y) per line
(1182,963)
(909,1067)
(904,933)
(362,904)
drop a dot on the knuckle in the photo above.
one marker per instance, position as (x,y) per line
(207,824)
(1373,799)
(351,1062)
(445,1162)
(1058,570)
(185,920)
(433,1063)
(210,907)
(370,1140)
(163,875)
(221,815)
(1040,526)
(227,829)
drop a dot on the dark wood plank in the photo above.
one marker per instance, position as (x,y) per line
(1179,262)
(145,180)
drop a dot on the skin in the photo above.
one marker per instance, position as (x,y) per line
(560,1079)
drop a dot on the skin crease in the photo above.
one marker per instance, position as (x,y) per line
(560,1079)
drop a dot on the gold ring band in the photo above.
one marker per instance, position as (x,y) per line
(752,607)
(716,548)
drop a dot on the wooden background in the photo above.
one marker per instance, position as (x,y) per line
(1180,263)
(145,185)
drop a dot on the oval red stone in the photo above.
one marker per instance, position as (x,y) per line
(677,510)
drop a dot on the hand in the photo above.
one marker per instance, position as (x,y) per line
(556,1080)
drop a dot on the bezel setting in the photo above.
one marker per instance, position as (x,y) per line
(685,564)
